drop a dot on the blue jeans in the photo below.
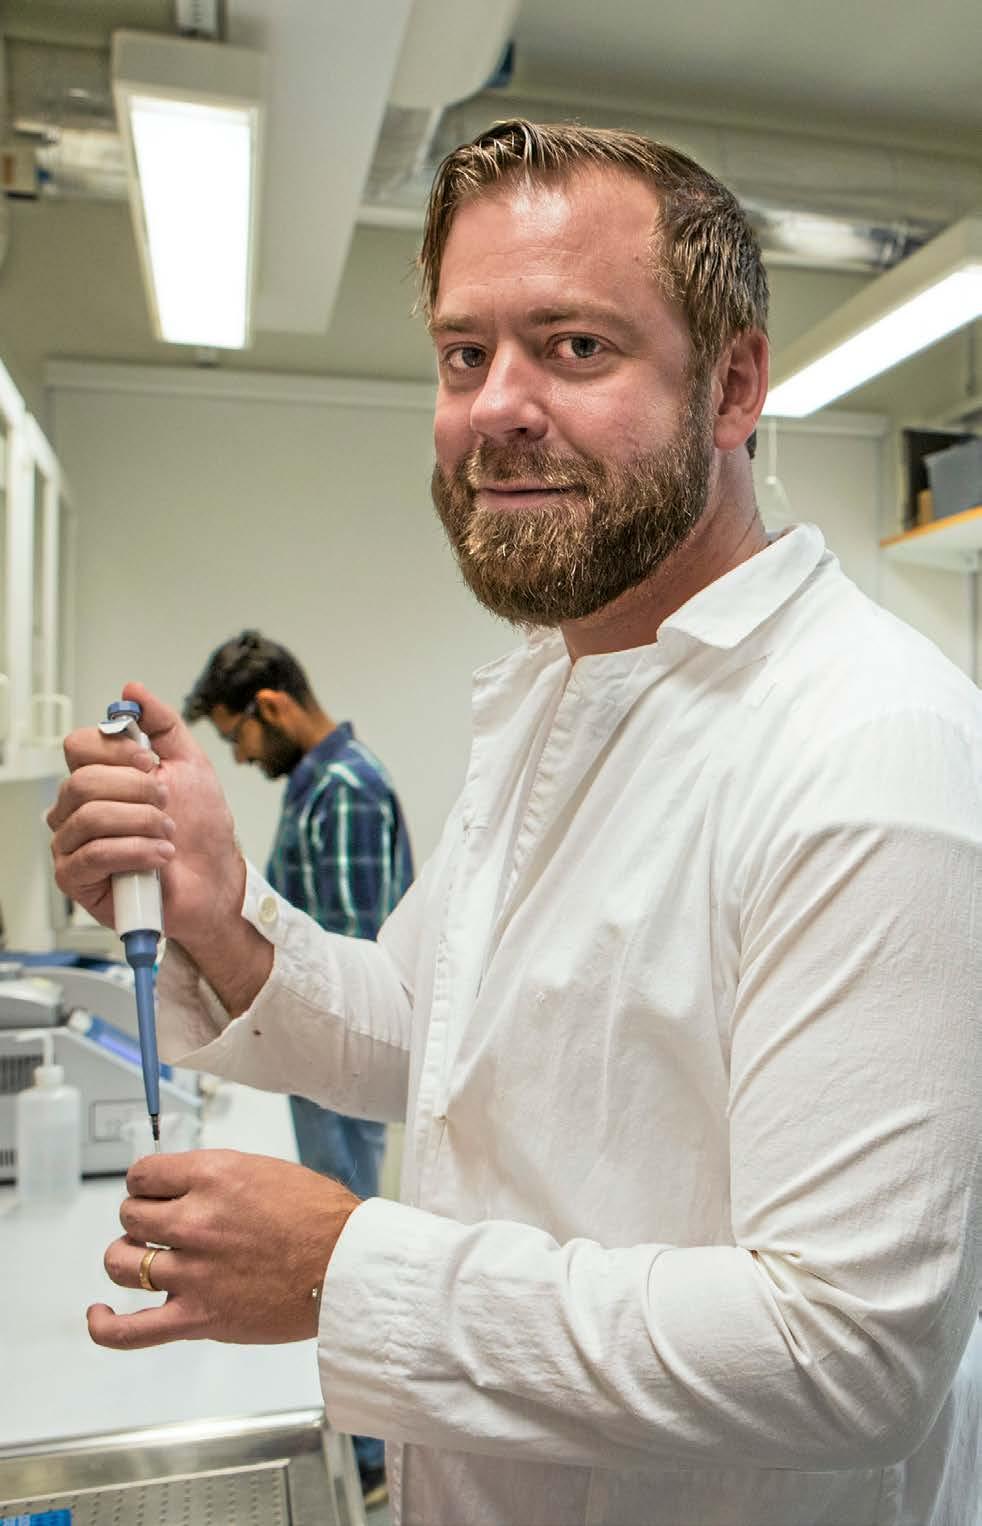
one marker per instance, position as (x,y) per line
(350,1150)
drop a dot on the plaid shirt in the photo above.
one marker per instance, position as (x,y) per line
(342,850)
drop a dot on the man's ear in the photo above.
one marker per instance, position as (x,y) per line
(740,388)
(275,707)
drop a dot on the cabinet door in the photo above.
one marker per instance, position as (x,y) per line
(67,570)
(13,596)
(50,708)
(4,673)
(36,592)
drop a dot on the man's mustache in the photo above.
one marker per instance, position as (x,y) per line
(490,464)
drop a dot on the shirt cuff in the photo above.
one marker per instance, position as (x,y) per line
(191,1015)
(373,1289)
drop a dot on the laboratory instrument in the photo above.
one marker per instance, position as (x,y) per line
(89,1012)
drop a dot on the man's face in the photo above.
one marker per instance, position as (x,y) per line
(257,741)
(573,430)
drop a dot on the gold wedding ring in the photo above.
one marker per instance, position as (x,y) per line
(145,1264)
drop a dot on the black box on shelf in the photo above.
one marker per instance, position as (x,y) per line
(916,445)
(955,475)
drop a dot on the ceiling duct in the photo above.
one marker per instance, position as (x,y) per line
(59,103)
(814,201)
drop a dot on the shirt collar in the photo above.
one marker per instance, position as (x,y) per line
(721,615)
(726,612)
(325,751)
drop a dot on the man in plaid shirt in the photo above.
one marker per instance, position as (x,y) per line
(341,853)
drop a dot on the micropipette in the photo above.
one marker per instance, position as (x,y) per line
(137,915)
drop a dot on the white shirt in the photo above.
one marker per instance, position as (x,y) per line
(682,1016)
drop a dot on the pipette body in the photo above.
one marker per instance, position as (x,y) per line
(138,920)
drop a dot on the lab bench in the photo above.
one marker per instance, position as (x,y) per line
(71,1410)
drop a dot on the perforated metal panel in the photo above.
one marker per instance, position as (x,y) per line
(17,1072)
(261,1470)
(252,1497)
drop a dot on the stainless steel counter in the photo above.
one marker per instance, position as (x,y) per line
(280,1470)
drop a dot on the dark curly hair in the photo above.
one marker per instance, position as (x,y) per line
(237,670)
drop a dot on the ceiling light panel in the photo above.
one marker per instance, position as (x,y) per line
(191,116)
(924,298)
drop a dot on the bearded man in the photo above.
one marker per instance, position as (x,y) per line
(681,1014)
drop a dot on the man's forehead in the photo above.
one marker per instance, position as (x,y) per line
(559,196)
(594,212)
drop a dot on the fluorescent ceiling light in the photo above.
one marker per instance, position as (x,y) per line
(928,295)
(190,113)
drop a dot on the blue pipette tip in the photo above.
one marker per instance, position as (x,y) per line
(141,951)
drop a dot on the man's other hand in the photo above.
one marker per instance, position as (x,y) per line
(248,1241)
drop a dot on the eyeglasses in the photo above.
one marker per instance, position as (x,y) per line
(232,736)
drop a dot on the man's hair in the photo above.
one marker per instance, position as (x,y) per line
(705,253)
(237,670)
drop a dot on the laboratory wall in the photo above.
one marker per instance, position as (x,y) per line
(25,863)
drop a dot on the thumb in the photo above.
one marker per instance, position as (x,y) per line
(168,734)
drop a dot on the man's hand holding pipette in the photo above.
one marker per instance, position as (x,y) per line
(116,813)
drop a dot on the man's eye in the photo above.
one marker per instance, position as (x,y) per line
(466,357)
(579,347)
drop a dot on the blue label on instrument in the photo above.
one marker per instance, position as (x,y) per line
(46,1518)
(121,1044)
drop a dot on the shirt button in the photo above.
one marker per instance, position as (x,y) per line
(268,912)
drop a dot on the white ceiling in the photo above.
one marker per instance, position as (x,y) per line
(881,67)
(891,67)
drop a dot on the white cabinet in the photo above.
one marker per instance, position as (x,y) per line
(37,571)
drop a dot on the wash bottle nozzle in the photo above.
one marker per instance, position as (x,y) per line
(47,1073)
(137,915)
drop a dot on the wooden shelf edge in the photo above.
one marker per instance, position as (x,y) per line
(967,516)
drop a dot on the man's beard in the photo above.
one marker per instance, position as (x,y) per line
(280,752)
(544,566)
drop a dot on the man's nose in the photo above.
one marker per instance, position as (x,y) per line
(511,401)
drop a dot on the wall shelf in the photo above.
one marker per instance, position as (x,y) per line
(954,544)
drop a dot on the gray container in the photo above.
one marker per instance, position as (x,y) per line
(955,476)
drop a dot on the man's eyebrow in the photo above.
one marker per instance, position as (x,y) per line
(577,312)
(538,317)
(451,324)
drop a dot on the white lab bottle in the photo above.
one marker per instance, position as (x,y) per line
(49,1135)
